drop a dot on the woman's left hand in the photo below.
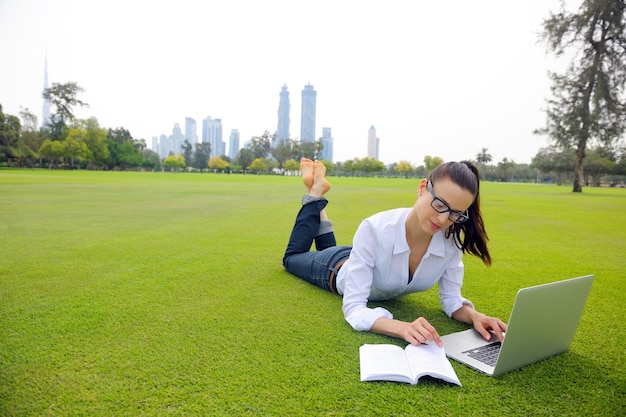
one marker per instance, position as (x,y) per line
(481,322)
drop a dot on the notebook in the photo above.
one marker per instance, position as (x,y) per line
(542,324)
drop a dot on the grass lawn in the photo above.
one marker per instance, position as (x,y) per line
(164,294)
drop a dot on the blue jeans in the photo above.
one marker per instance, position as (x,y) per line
(313,266)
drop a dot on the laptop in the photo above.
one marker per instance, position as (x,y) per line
(542,324)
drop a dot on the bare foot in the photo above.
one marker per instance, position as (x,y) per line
(320,184)
(307,167)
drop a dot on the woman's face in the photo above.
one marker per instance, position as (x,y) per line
(451,194)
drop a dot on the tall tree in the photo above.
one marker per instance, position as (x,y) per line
(588,99)
(63,97)
(201,155)
(187,149)
(245,158)
(31,136)
(10,143)
(260,145)
(483,158)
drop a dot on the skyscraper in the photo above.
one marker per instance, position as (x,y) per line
(45,112)
(307,119)
(233,144)
(177,139)
(284,107)
(327,144)
(191,134)
(372,143)
(212,133)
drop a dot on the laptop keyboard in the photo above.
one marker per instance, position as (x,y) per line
(486,354)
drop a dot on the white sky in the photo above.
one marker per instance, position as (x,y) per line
(434,78)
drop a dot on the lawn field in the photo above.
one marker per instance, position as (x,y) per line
(157,294)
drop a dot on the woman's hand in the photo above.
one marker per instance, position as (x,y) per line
(481,322)
(417,332)
(421,331)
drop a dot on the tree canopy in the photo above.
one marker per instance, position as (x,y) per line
(587,103)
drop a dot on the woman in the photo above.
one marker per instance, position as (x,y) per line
(396,252)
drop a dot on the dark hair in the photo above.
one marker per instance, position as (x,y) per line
(474,239)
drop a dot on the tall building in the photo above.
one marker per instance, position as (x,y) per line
(45,112)
(233,144)
(372,143)
(165,146)
(191,134)
(327,144)
(284,107)
(177,139)
(307,118)
(212,133)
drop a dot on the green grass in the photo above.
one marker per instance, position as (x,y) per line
(164,294)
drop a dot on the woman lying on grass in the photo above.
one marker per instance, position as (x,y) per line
(396,252)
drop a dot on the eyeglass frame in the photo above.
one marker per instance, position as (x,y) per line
(462,217)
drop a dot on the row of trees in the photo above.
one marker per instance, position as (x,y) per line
(84,144)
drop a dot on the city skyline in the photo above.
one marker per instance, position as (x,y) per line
(478,81)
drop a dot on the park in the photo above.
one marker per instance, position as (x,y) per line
(157,293)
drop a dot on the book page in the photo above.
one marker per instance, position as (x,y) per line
(430,359)
(384,362)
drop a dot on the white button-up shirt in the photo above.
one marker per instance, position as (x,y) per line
(378,269)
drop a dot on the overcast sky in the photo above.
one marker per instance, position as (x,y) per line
(434,78)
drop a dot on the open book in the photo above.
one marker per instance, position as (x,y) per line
(392,363)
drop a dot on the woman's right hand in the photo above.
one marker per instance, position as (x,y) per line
(421,331)
(417,332)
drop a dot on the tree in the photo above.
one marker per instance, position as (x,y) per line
(260,145)
(151,159)
(217,163)
(95,138)
(30,134)
(63,97)
(201,156)
(245,158)
(368,165)
(403,168)
(259,165)
(504,170)
(119,135)
(74,147)
(285,150)
(588,99)
(600,161)
(310,149)
(174,162)
(187,149)
(553,159)
(52,151)
(483,158)
(432,162)
(291,165)
(10,146)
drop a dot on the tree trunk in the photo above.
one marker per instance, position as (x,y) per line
(579,177)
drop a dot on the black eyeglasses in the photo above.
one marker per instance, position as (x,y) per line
(441,207)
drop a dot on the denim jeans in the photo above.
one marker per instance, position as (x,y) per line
(313,266)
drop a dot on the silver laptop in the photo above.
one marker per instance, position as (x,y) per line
(542,323)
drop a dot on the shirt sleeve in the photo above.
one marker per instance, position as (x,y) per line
(450,285)
(358,282)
